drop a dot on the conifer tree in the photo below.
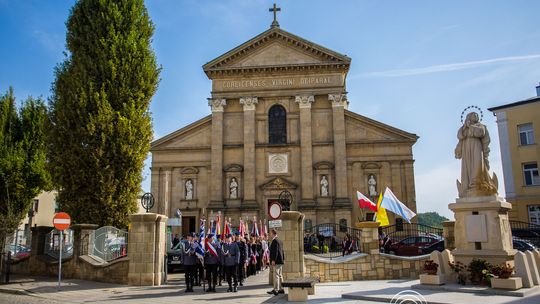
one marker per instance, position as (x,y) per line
(101,127)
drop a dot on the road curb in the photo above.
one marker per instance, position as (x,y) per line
(22,292)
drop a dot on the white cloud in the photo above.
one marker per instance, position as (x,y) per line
(446,67)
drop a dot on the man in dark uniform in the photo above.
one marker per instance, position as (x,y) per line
(243,258)
(211,261)
(230,256)
(190,261)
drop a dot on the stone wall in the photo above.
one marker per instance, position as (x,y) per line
(361,266)
(368,265)
(79,266)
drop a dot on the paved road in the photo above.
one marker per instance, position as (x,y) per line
(6,298)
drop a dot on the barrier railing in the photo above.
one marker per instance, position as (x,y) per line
(108,243)
(331,240)
(52,244)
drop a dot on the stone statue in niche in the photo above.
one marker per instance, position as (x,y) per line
(233,188)
(324,186)
(189,189)
(473,150)
(372,185)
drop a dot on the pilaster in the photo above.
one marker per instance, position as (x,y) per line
(216,187)
(249,104)
(339,105)
(306,149)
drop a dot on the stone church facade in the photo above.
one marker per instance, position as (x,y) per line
(279,122)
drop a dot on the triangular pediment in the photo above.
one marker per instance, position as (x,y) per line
(362,129)
(276,53)
(195,135)
(278,183)
(276,48)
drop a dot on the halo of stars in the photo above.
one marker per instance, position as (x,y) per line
(470,108)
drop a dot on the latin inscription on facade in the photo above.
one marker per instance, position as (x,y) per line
(278,83)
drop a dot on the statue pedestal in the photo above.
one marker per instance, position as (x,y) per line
(482,230)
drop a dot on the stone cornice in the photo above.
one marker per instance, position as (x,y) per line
(217,104)
(305,101)
(249,103)
(265,70)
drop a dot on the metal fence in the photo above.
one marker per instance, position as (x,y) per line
(52,244)
(400,231)
(330,240)
(526,231)
(108,243)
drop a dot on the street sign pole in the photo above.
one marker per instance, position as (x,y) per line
(60,260)
(61,221)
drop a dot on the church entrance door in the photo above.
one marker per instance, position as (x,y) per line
(188,224)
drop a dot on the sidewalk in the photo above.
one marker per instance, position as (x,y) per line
(254,291)
(79,291)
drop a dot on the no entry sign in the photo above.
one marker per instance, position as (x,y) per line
(61,221)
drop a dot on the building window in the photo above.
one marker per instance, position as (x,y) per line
(308,225)
(36,205)
(531,174)
(277,125)
(342,225)
(526,134)
(534,214)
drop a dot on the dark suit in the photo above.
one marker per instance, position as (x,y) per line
(278,257)
(276,251)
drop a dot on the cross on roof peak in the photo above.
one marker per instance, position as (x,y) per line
(275,9)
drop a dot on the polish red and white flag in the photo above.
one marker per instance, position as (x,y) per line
(365,202)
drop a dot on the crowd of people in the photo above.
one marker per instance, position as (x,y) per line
(231,259)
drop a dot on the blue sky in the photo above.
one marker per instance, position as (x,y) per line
(415,64)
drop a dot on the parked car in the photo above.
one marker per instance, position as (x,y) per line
(174,258)
(411,246)
(522,245)
(438,246)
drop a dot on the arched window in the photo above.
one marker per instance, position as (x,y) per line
(277,125)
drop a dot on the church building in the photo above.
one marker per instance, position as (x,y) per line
(280,130)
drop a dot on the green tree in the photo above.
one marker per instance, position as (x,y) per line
(101,127)
(23,173)
(432,219)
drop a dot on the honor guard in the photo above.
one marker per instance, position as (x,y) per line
(212,258)
(230,257)
(190,262)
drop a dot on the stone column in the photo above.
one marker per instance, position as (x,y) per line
(292,235)
(306,150)
(249,104)
(81,238)
(369,237)
(167,185)
(216,186)
(339,105)
(38,239)
(146,249)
